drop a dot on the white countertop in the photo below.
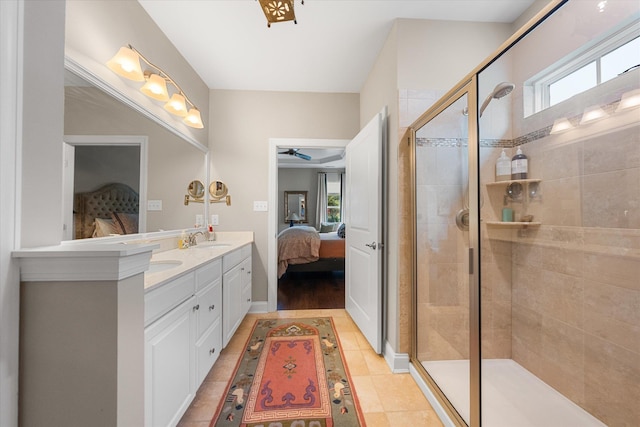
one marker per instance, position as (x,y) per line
(117,260)
(194,257)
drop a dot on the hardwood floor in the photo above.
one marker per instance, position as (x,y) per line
(311,290)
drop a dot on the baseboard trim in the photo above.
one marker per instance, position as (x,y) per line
(398,362)
(259,307)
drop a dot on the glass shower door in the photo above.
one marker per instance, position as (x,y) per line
(442,317)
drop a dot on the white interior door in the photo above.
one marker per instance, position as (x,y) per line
(68,231)
(364,246)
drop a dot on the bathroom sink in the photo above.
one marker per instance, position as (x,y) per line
(209,245)
(157,266)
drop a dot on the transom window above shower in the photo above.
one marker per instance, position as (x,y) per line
(600,61)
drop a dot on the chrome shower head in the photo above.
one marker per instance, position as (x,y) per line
(501,90)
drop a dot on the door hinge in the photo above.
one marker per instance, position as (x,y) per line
(470,260)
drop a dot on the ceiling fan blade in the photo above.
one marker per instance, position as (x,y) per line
(302,156)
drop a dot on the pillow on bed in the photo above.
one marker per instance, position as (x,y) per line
(328,227)
(105,227)
(126,222)
(341,230)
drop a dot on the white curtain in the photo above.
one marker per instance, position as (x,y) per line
(343,183)
(321,212)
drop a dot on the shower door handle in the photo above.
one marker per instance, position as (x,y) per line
(372,245)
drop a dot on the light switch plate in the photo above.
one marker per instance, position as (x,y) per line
(260,206)
(154,205)
(215,220)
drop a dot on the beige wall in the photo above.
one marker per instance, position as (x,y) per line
(43,118)
(380,90)
(241,124)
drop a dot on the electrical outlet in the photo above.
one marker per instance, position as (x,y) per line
(154,205)
(215,220)
(260,206)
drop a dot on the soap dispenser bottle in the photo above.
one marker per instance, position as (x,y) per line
(519,165)
(503,167)
(183,243)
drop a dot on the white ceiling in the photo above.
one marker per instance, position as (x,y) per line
(331,49)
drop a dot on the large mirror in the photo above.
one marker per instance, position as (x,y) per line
(110,143)
(295,207)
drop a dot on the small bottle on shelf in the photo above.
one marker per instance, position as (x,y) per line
(519,165)
(503,167)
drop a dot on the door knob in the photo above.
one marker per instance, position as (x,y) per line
(372,245)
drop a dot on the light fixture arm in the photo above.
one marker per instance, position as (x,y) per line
(162,74)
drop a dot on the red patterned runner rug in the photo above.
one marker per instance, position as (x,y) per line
(291,374)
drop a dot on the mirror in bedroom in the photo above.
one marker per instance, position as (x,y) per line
(295,207)
(121,161)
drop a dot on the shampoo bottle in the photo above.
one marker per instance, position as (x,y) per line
(519,165)
(503,167)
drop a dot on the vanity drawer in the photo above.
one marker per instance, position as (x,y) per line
(207,350)
(246,251)
(163,298)
(208,274)
(231,259)
(209,303)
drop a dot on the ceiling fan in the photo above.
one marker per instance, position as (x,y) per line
(296,152)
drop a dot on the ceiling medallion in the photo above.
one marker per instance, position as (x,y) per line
(278,11)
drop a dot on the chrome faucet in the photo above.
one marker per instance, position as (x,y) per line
(192,238)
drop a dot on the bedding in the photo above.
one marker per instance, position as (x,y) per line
(297,245)
(111,209)
(304,249)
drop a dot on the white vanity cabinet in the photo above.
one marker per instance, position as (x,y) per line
(183,338)
(236,290)
(208,318)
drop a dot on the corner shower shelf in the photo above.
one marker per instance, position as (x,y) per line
(513,224)
(511,181)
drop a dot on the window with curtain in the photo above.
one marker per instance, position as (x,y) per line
(334,197)
(330,203)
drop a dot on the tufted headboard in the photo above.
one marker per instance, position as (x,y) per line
(101,203)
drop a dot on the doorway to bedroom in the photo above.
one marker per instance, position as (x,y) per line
(310,191)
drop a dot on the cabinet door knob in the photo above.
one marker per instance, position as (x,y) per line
(196,307)
(212,306)
(213,350)
(248,299)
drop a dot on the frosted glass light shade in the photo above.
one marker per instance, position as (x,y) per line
(629,99)
(592,114)
(176,105)
(561,125)
(126,63)
(193,119)
(156,88)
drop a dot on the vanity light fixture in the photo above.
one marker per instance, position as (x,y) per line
(592,114)
(126,63)
(629,99)
(278,11)
(561,125)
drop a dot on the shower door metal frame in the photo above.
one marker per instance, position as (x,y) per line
(469,88)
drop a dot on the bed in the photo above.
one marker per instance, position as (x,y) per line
(111,209)
(304,249)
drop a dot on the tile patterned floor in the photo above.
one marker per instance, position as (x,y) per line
(387,400)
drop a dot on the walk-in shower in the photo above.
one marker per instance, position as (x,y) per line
(532,320)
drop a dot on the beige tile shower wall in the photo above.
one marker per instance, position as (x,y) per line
(443,296)
(495,265)
(576,281)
